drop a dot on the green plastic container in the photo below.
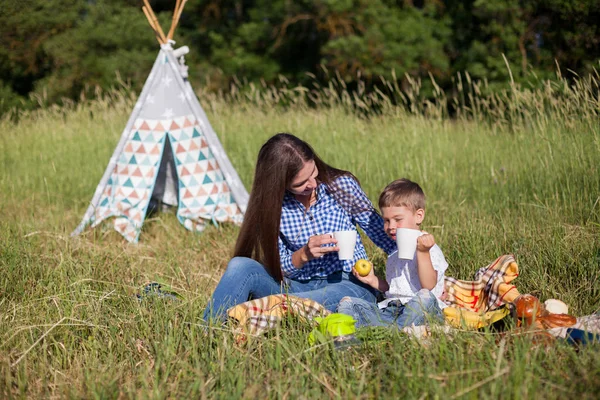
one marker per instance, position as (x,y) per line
(334,325)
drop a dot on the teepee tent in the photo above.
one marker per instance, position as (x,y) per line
(168,153)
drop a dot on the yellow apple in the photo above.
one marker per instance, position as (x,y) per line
(363,267)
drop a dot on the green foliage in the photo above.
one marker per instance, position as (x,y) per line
(50,55)
(532,35)
(9,100)
(238,59)
(385,38)
(120,46)
(25,27)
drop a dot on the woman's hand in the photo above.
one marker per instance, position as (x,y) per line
(316,247)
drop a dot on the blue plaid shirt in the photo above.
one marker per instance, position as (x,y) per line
(326,215)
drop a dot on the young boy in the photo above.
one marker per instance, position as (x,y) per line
(412,287)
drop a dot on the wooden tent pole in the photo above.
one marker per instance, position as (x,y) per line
(161,34)
(173,20)
(151,24)
(176,17)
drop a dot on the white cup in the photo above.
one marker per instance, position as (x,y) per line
(346,243)
(406,240)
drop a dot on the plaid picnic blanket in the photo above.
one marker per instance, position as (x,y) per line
(258,315)
(490,289)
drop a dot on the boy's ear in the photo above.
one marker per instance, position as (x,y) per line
(420,216)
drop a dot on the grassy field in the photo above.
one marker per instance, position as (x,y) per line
(522,177)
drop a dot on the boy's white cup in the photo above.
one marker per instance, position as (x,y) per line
(346,243)
(406,240)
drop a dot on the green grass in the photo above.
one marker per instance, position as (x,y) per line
(524,181)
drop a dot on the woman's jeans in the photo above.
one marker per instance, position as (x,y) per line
(417,311)
(246,279)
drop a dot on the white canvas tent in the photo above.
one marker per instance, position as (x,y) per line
(168,153)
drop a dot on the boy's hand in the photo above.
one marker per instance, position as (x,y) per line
(425,242)
(370,279)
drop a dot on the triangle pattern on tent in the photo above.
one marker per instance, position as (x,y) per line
(165,109)
(200,172)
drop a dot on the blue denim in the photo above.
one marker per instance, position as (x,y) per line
(246,279)
(417,311)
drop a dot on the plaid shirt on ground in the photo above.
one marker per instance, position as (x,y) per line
(326,216)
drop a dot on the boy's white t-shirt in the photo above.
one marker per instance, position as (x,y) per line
(403,277)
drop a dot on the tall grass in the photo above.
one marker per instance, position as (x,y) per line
(514,172)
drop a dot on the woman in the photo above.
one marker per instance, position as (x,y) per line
(284,245)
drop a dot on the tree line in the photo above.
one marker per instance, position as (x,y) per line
(58,49)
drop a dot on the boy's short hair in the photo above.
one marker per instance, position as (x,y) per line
(402,193)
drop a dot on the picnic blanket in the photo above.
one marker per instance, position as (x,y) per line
(490,289)
(258,315)
(483,297)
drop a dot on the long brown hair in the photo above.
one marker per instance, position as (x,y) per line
(279,161)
